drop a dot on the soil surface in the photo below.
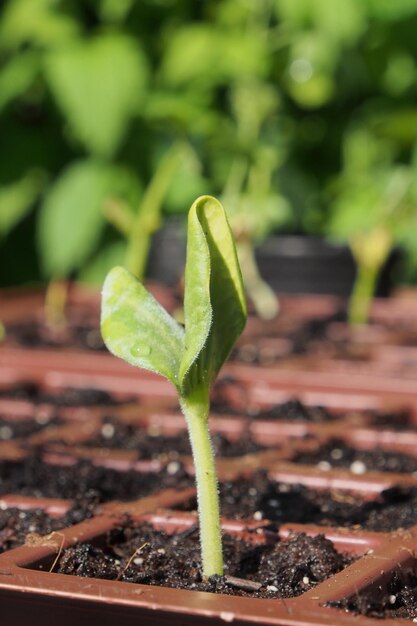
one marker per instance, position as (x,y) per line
(14,429)
(150,445)
(292,410)
(140,554)
(338,454)
(398,600)
(261,498)
(396,420)
(16,525)
(308,337)
(33,334)
(67,397)
(83,479)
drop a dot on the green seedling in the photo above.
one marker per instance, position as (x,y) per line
(138,227)
(372,211)
(137,329)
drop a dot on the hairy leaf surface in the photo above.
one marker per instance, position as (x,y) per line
(136,328)
(214,305)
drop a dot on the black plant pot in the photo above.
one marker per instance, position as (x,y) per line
(166,260)
(303,264)
(289,263)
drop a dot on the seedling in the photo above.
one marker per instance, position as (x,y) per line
(139,330)
(138,227)
(372,212)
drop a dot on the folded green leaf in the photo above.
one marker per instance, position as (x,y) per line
(138,329)
(214,304)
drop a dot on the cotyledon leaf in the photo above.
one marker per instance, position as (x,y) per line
(136,328)
(214,304)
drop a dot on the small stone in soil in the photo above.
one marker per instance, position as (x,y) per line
(398,600)
(18,428)
(339,454)
(34,477)
(261,498)
(16,524)
(149,445)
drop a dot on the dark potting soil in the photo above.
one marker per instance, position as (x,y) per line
(68,397)
(296,411)
(309,336)
(336,453)
(292,410)
(141,554)
(397,600)
(393,420)
(18,526)
(151,445)
(83,479)
(263,499)
(13,429)
(33,334)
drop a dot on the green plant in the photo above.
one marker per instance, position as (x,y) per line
(372,210)
(86,94)
(137,329)
(138,228)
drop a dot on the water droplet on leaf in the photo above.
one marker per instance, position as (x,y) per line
(140,350)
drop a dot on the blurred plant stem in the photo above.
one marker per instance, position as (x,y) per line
(138,228)
(370,252)
(56,298)
(264,299)
(245,213)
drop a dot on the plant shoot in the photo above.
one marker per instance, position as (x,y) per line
(137,329)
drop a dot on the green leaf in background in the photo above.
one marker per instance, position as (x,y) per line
(17,76)
(71,217)
(341,21)
(41,22)
(115,10)
(136,328)
(108,257)
(98,84)
(310,70)
(389,10)
(214,304)
(187,184)
(17,199)
(209,56)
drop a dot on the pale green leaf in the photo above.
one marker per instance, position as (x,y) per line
(203,55)
(17,76)
(71,217)
(41,22)
(138,329)
(214,305)
(98,84)
(108,256)
(16,200)
(391,11)
(115,10)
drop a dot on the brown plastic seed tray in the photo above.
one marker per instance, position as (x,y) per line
(27,585)
(51,596)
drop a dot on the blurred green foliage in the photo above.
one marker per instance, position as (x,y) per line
(300,114)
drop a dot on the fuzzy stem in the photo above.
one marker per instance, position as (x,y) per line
(362,294)
(196,414)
